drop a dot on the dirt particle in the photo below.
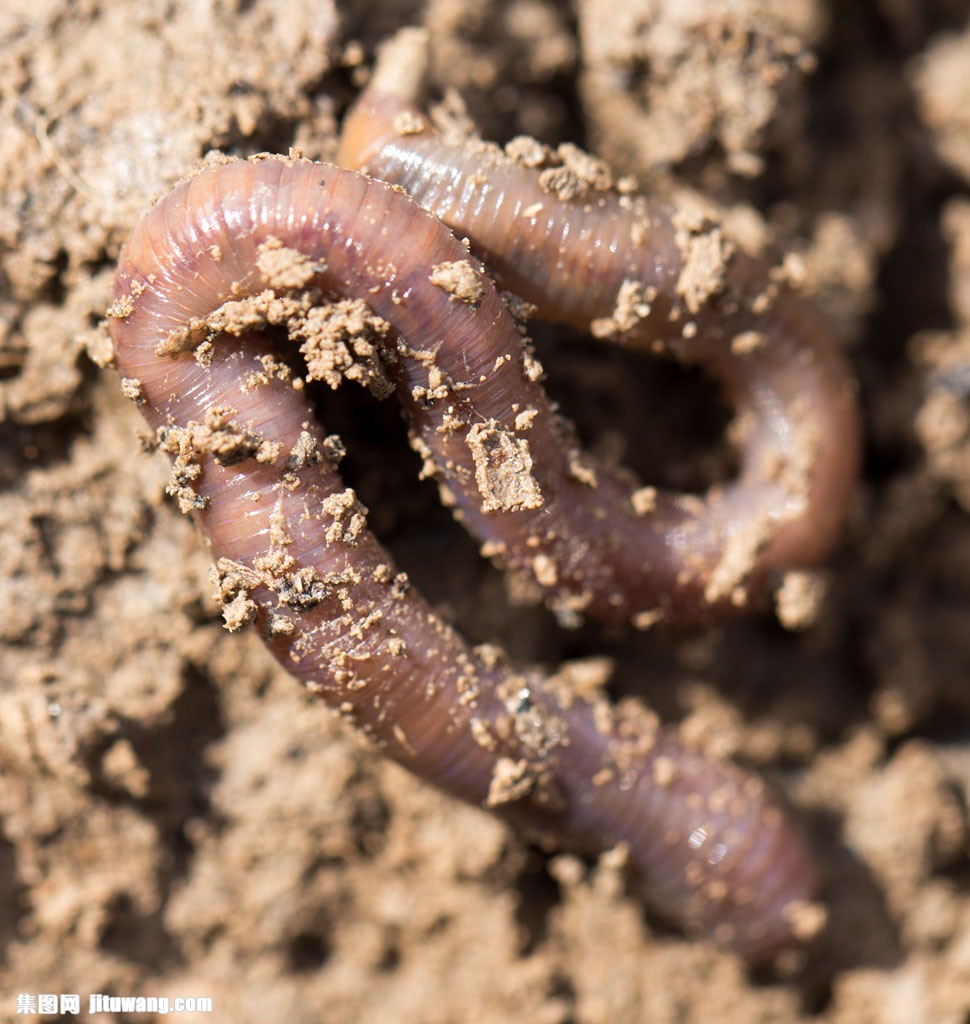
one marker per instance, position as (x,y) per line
(522,311)
(186,468)
(705,252)
(800,598)
(235,317)
(575,175)
(121,308)
(349,517)
(807,919)
(545,570)
(284,268)
(503,469)
(231,583)
(584,678)
(747,342)
(409,123)
(531,366)
(664,771)
(527,151)
(279,625)
(461,280)
(582,468)
(123,769)
(511,780)
(345,340)
(738,557)
(644,500)
(633,304)
(239,613)
(305,452)
(524,420)
(648,619)
(272,369)
(133,390)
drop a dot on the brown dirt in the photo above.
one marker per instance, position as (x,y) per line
(175,817)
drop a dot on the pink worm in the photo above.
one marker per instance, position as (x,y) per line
(688,558)
(706,843)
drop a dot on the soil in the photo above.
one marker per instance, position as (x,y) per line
(176,818)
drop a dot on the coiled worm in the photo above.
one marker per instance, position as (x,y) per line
(648,275)
(248,244)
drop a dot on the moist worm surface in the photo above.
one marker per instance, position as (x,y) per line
(272,241)
(645,274)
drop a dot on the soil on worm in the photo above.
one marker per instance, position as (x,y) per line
(176,818)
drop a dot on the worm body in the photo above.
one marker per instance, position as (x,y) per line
(648,275)
(253,243)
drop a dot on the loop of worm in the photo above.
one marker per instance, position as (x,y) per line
(650,276)
(254,243)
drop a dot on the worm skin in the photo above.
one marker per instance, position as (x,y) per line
(687,558)
(706,843)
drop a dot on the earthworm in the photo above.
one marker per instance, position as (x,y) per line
(637,270)
(251,243)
